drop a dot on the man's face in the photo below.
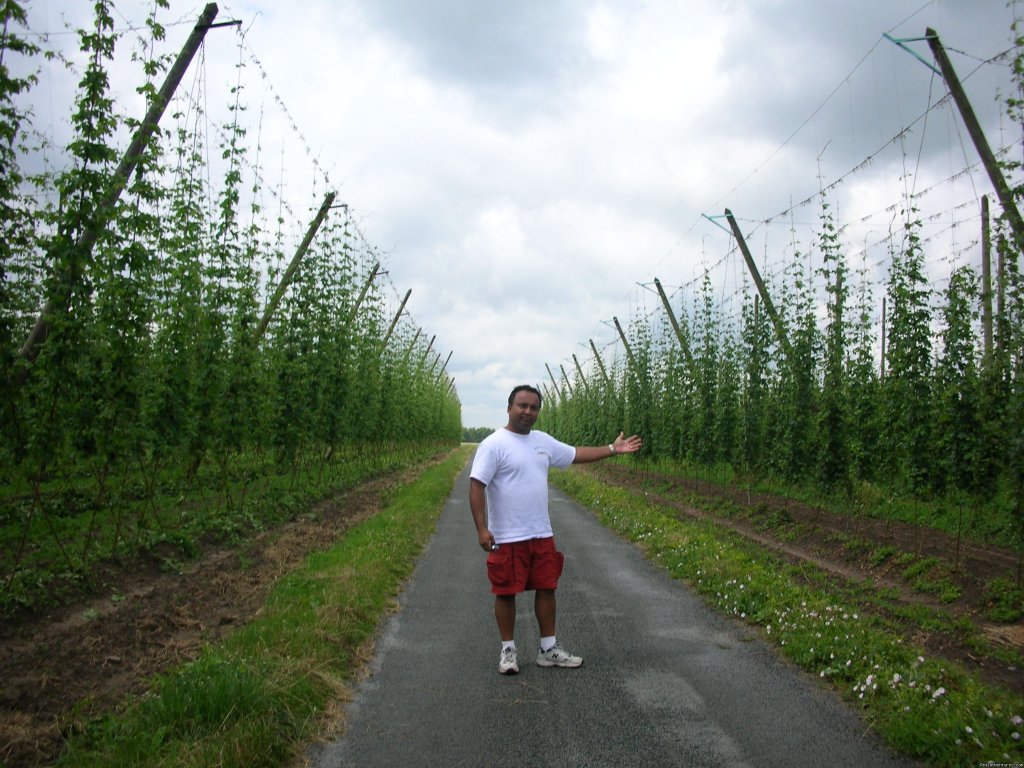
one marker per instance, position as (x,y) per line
(523,412)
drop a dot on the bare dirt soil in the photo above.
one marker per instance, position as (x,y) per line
(62,667)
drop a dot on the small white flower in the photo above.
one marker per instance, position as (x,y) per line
(1017,720)
(939,692)
(896,678)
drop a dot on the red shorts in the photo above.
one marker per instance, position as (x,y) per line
(524,565)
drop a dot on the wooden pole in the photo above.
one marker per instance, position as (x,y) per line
(1001,293)
(986,279)
(553,382)
(988,159)
(629,352)
(412,346)
(547,392)
(567,384)
(394,322)
(579,370)
(362,293)
(600,364)
(443,367)
(41,329)
(293,266)
(769,307)
(426,352)
(883,339)
(675,326)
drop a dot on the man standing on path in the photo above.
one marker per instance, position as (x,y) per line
(508,495)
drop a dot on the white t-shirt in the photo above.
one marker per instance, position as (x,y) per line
(514,468)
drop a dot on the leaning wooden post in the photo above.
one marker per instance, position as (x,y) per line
(780,331)
(426,352)
(553,382)
(884,319)
(443,367)
(547,393)
(433,365)
(412,345)
(1001,294)
(362,293)
(394,322)
(675,326)
(600,364)
(579,370)
(988,159)
(293,266)
(105,208)
(629,352)
(986,280)
(567,384)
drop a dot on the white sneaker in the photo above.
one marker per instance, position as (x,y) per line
(557,656)
(508,663)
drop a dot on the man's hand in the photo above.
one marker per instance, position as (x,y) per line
(486,539)
(627,444)
(620,444)
(478,506)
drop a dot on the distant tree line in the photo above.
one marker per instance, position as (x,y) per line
(475,434)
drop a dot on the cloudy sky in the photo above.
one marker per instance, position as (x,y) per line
(528,168)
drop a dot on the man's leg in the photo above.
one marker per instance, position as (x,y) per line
(554,656)
(505,614)
(544,608)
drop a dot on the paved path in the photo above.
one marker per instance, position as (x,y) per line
(666,682)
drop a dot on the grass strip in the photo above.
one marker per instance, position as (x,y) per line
(932,710)
(256,698)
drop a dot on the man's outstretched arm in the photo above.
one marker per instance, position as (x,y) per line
(586,454)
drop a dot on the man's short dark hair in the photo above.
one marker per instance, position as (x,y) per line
(526,388)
